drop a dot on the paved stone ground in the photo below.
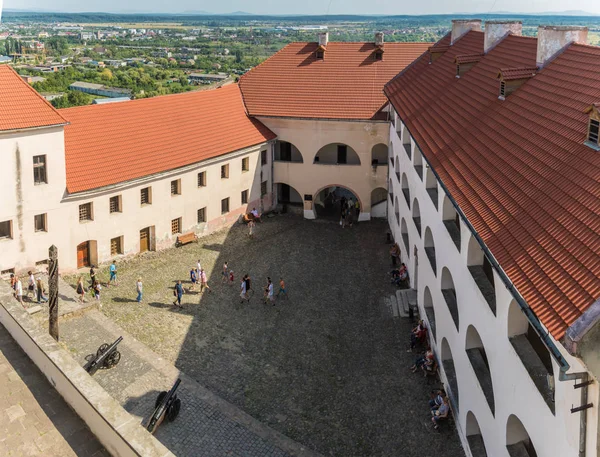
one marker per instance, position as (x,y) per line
(34,419)
(328,367)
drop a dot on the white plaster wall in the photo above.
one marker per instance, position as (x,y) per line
(309,136)
(65,229)
(514,390)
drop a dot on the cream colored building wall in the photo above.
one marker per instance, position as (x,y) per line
(310,136)
(66,231)
(514,392)
(21,199)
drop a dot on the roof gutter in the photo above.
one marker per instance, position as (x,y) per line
(531,317)
(40,127)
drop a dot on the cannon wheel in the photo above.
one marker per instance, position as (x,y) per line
(173,410)
(160,398)
(102,349)
(112,359)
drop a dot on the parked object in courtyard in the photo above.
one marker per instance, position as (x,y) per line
(167,407)
(106,357)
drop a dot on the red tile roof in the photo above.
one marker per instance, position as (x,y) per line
(346,84)
(518,168)
(116,142)
(21,107)
(470,58)
(509,74)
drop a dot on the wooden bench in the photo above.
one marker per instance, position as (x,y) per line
(186,238)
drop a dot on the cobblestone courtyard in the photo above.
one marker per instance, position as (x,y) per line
(328,367)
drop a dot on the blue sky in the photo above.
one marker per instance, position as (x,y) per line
(309,6)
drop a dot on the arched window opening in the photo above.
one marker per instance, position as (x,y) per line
(416,215)
(391,151)
(391,190)
(482,272)
(288,196)
(397,170)
(474,437)
(480,364)
(405,189)
(518,442)
(406,141)
(429,311)
(450,372)
(337,154)
(532,351)
(430,250)
(379,202)
(449,293)
(379,154)
(418,162)
(404,234)
(451,221)
(431,186)
(397,210)
(287,152)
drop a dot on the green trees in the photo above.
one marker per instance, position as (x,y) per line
(72,98)
(57,45)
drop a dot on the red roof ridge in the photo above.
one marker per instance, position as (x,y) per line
(37,94)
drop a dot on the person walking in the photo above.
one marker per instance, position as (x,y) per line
(356,209)
(269,297)
(41,293)
(225,277)
(251,225)
(92,275)
(97,288)
(203,281)
(282,288)
(139,288)
(19,291)
(178,292)
(13,281)
(198,268)
(193,278)
(31,289)
(248,282)
(81,289)
(113,273)
(243,291)
(231,277)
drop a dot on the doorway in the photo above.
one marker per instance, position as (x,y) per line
(342,154)
(147,239)
(87,254)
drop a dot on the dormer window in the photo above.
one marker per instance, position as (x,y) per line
(513,78)
(378,54)
(320,55)
(465,62)
(593,133)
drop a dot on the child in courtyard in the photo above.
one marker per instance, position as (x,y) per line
(97,287)
(225,277)
(281,288)
(113,273)
(231,277)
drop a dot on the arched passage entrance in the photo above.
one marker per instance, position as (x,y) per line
(328,202)
(337,154)
(518,442)
(476,443)
(288,196)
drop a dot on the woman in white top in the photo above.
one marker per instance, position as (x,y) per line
(31,285)
(19,291)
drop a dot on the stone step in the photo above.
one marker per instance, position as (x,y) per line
(394,305)
(402,310)
(33,309)
(402,300)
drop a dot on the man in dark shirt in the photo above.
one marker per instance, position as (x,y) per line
(178,294)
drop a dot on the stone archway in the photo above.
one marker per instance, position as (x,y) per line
(327,201)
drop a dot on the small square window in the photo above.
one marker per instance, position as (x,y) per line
(245,164)
(202,179)
(263,157)
(85,212)
(320,55)
(225,205)
(114,204)
(224,171)
(244,197)
(176,187)
(40,223)
(116,246)
(146,196)
(6,229)
(39,170)
(263,188)
(202,215)
(176,226)
(378,55)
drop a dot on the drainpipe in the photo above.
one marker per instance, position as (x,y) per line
(531,317)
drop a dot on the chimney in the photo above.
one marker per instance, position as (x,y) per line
(552,39)
(323,39)
(379,39)
(496,31)
(462,26)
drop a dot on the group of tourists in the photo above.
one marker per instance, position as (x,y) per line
(349,210)
(268,296)
(35,288)
(95,287)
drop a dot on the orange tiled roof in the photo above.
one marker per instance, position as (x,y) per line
(509,74)
(518,168)
(116,142)
(21,107)
(346,84)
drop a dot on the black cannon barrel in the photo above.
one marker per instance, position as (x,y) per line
(96,362)
(159,412)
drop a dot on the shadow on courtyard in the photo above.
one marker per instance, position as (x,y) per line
(327,367)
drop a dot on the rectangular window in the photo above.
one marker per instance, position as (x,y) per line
(502,89)
(263,157)
(40,223)
(7,272)
(202,179)
(39,170)
(224,171)
(286,151)
(114,204)
(116,246)
(594,130)
(202,215)
(176,226)
(263,188)
(246,164)
(146,196)
(244,197)
(85,212)
(176,187)
(6,229)
(225,205)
